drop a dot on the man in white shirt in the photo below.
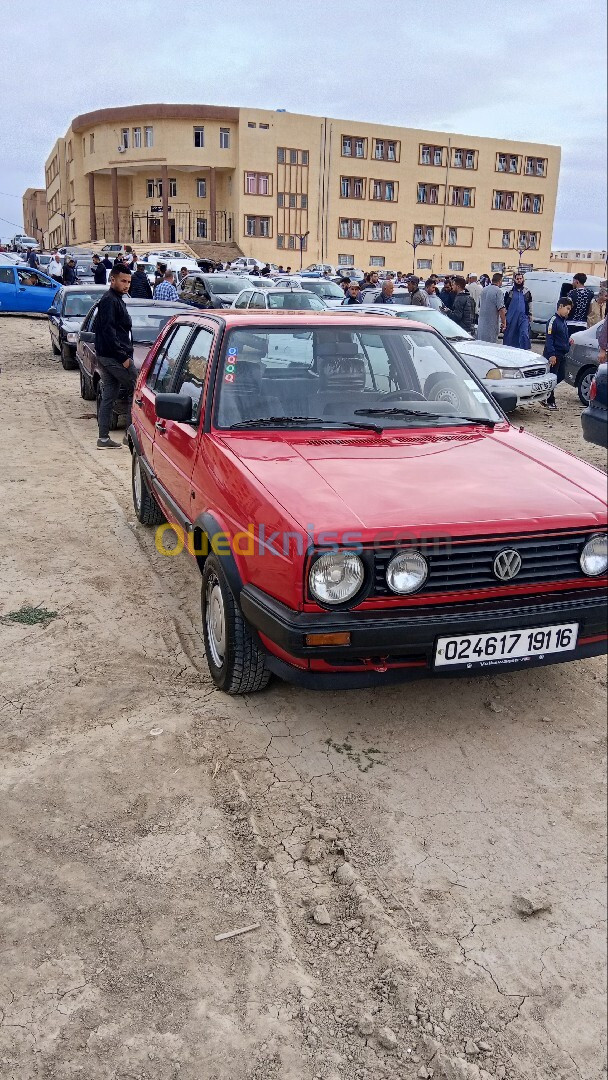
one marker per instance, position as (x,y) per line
(475,290)
(55,267)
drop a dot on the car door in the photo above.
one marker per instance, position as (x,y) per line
(8,288)
(85,348)
(158,380)
(175,445)
(35,291)
(55,320)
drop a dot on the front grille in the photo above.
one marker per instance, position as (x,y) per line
(535,372)
(468,565)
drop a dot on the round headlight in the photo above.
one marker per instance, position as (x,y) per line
(594,556)
(406,572)
(336,577)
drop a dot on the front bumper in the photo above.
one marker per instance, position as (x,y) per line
(393,645)
(524,388)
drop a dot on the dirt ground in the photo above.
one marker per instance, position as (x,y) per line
(378,837)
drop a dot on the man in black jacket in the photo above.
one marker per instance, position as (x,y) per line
(99,271)
(114,349)
(69,272)
(140,284)
(463,308)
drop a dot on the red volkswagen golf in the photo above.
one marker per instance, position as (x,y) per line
(350,527)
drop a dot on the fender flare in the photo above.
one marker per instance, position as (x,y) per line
(134,440)
(208,524)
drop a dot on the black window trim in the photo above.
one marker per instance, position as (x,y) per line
(154,369)
(197,328)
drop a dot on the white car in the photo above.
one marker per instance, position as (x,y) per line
(520,371)
(21,242)
(328,291)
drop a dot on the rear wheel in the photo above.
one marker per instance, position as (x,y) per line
(146,507)
(87,390)
(583,385)
(236,662)
(68,360)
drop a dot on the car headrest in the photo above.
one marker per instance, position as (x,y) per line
(341,372)
(337,348)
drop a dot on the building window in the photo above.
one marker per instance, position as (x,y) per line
(386,150)
(346,146)
(513,164)
(507,163)
(437,156)
(456,266)
(280,199)
(346,260)
(457,163)
(304,157)
(292,201)
(84,146)
(452,237)
(148,136)
(425,155)
(529,241)
(424,264)
(391,151)
(497,268)
(376,260)
(360,148)
(504,200)
(124,138)
(532,204)
(379,149)
(281,155)
(350,229)
(91,143)
(345,187)
(427,193)
(383,231)
(258,226)
(172,188)
(429,234)
(461,196)
(264,127)
(304,202)
(257,183)
(199,136)
(150,189)
(250,124)
(293,157)
(201,189)
(291,242)
(224,138)
(137,138)
(537,205)
(201,228)
(470,159)
(506,238)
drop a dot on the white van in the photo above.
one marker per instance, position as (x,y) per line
(545,287)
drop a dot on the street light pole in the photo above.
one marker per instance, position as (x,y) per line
(414,244)
(302,237)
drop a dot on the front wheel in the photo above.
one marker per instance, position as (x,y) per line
(67,358)
(237,664)
(583,386)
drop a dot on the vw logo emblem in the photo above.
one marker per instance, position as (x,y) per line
(507,564)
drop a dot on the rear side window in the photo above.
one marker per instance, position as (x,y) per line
(191,378)
(165,362)
(7,276)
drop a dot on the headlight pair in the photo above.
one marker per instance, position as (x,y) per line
(337,576)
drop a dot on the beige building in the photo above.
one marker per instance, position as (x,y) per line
(35,220)
(581,261)
(264,183)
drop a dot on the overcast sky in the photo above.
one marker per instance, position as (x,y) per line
(532,70)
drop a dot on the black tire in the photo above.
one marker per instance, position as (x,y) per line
(236,662)
(583,385)
(446,388)
(68,360)
(145,505)
(87,390)
(115,418)
(56,350)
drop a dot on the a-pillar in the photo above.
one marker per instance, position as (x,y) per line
(92,213)
(212,205)
(165,184)
(115,222)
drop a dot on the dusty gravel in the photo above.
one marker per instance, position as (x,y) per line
(379,838)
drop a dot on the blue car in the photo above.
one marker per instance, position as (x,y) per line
(24,289)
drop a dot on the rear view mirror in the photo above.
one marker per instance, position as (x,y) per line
(87,335)
(506,400)
(53,311)
(174,407)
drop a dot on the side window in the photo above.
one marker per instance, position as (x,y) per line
(242,301)
(7,276)
(257,300)
(191,378)
(58,301)
(167,357)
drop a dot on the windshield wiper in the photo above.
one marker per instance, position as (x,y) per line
(286,421)
(428,415)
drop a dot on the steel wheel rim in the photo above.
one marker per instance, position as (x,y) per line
(137,482)
(215,620)
(450,396)
(586,385)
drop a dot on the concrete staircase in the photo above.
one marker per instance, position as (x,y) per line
(218,251)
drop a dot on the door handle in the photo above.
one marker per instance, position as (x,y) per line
(160,426)
(139,400)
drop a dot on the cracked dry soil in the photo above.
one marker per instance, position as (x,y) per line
(124,853)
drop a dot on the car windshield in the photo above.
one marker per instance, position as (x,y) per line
(393,377)
(148,322)
(77,304)
(295,300)
(224,285)
(327,290)
(446,326)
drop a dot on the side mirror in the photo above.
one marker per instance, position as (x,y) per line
(87,335)
(505,400)
(53,311)
(174,407)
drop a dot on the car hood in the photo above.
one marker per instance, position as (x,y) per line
(500,355)
(72,324)
(454,481)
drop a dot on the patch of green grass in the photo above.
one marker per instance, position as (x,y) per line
(29,616)
(362,759)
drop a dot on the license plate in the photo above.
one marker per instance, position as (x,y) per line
(537,387)
(505,647)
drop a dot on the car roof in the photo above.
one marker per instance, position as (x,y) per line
(233,317)
(83,288)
